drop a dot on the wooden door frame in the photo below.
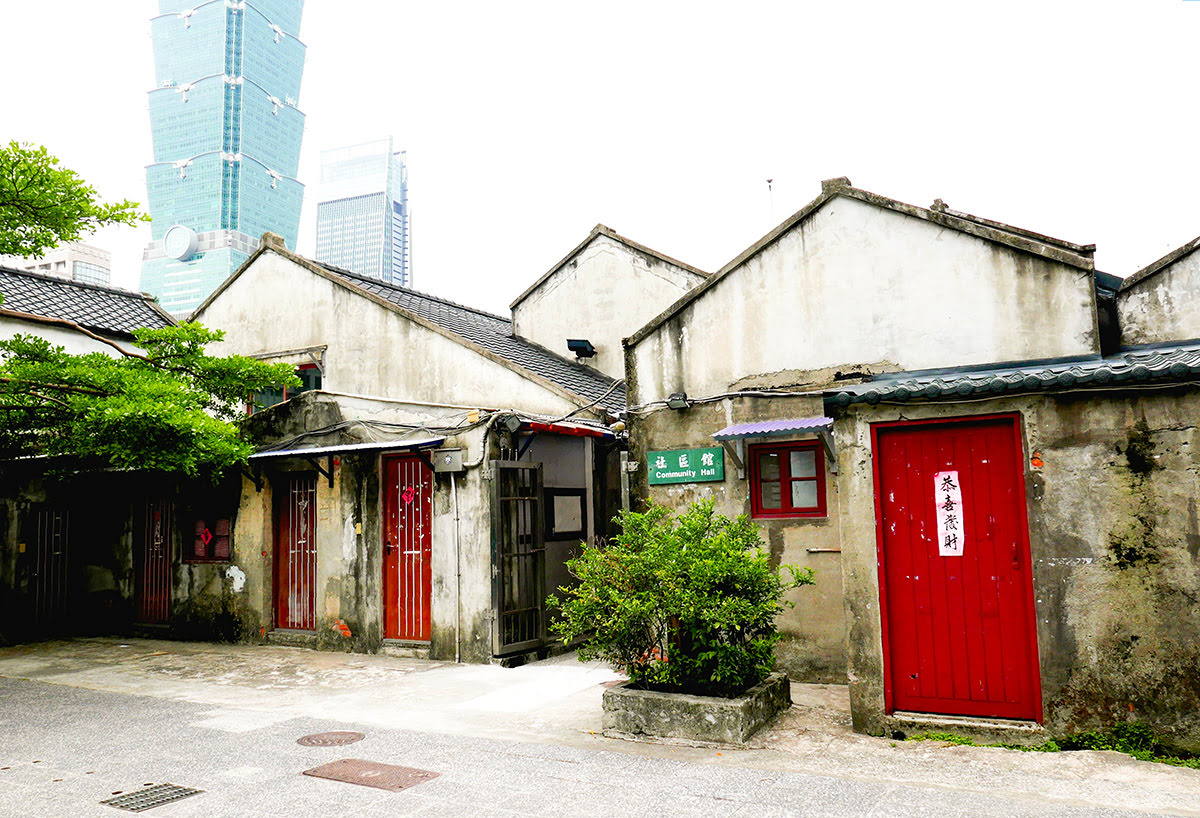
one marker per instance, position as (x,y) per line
(1015,419)
(384,459)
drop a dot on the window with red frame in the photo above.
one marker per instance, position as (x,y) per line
(787,480)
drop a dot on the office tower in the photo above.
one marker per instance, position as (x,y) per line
(362,212)
(226,135)
(75,261)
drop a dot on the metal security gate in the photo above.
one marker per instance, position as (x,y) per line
(955,579)
(153,555)
(407,549)
(518,557)
(296,554)
(51,540)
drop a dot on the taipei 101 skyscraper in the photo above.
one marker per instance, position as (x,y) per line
(226,134)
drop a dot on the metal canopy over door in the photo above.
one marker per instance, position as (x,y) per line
(153,555)
(50,540)
(296,553)
(958,630)
(518,557)
(407,548)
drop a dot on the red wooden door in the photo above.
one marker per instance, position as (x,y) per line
(154,562)
(51,536)
(959,633)
(407,548)
(296,554)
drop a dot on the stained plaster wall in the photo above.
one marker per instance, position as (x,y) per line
(604,293)
(349,534)
(75,343)
(1115,541)
(856,285)
(277,305)
(1163,306)
(813,648)
(104,511)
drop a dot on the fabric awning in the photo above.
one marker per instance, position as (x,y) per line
(774,428)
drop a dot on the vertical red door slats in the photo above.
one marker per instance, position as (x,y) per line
(153,552)
(407,549)
(51,538)
(296,555)
(958,629)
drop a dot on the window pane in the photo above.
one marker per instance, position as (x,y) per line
(770,495)
(768,466)
(804,463)
(804,494)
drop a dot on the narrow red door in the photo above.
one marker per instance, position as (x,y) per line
(296,554)
(407,548)
(51,536)
(956,585)
(154,562)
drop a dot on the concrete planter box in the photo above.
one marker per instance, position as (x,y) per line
(648,713)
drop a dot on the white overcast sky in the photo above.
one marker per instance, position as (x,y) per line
(527,123)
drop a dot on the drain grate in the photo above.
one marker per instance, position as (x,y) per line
(337,738)
(151,797)
(372,774)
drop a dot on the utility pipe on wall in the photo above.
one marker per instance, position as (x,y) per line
(457,575)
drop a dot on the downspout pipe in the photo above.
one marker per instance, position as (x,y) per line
(457,576)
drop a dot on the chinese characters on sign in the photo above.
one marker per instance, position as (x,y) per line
(686,466)
(948,499)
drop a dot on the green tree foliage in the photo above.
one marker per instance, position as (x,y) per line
(682,604)
(43,204)
(172,408)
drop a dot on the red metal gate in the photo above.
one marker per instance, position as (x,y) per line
(51,539)
(296,553)
(407,549)
(153,554)
(955,584)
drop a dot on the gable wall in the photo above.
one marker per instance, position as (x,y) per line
(1164,306)
(605,293)
(277,305)
(857,284)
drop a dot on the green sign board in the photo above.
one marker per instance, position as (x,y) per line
(686,466)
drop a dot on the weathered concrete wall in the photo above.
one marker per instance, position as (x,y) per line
(1164,306)
(604,293)
(814,645)
(349,534)
(276,305)
(860,286)
(1115,542)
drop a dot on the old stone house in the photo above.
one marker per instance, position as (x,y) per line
(935,412)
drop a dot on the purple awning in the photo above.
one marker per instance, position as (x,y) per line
(771,428)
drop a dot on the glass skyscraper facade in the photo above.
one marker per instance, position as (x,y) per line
(362,212)
(226,134)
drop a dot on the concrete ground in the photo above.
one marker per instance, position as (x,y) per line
(83,719)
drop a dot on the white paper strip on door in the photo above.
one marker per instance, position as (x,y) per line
(949,513)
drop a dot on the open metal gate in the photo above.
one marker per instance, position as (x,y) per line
(518,557)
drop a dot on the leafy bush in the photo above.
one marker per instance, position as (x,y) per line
(683,604)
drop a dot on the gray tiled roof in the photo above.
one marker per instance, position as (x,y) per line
(495,334)
(100,309)
(1160,364)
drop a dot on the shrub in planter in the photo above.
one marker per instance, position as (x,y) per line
(680,604)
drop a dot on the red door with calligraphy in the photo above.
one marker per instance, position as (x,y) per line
(407,548)
(296,553)
(956,589)
(153,554)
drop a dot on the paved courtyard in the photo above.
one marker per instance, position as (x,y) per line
(83,720)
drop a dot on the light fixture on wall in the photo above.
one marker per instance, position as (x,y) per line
(678,400)
(581,347)
(511,424)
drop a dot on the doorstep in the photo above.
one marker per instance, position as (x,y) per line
(977,728)
(292,639)
(404,649)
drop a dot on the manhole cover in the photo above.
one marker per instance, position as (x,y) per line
(372,774)
(150,797)
(335,739)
